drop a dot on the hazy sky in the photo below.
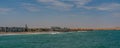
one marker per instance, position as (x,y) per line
(63,13)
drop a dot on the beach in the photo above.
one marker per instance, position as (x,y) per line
(24,33)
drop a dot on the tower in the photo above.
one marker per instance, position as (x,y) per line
(26,28)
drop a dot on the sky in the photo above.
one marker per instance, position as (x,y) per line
(62,13)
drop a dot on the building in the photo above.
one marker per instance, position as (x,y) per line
(59,29)
(12,29)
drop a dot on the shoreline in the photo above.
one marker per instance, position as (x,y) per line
(25,33)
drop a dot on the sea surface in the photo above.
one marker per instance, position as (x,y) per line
(88,39)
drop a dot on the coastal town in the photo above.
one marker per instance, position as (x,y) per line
(51,29)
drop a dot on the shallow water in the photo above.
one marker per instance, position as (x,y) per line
(90,39)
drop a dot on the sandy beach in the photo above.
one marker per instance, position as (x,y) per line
(23,33)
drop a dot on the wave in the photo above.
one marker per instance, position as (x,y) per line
(55,32)
(7,34)
(82,31)
(29,33)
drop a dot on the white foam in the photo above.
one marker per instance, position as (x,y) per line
(82,31)
(7,34)
(55,33)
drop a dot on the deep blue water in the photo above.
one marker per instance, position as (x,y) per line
(90,39)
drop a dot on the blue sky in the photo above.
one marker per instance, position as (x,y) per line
(63,13)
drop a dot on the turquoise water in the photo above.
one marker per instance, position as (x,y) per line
(90,39)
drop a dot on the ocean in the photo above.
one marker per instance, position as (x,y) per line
(88,39)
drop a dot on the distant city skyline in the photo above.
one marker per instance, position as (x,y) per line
(62,13)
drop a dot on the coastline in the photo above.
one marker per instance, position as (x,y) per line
(25,33)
